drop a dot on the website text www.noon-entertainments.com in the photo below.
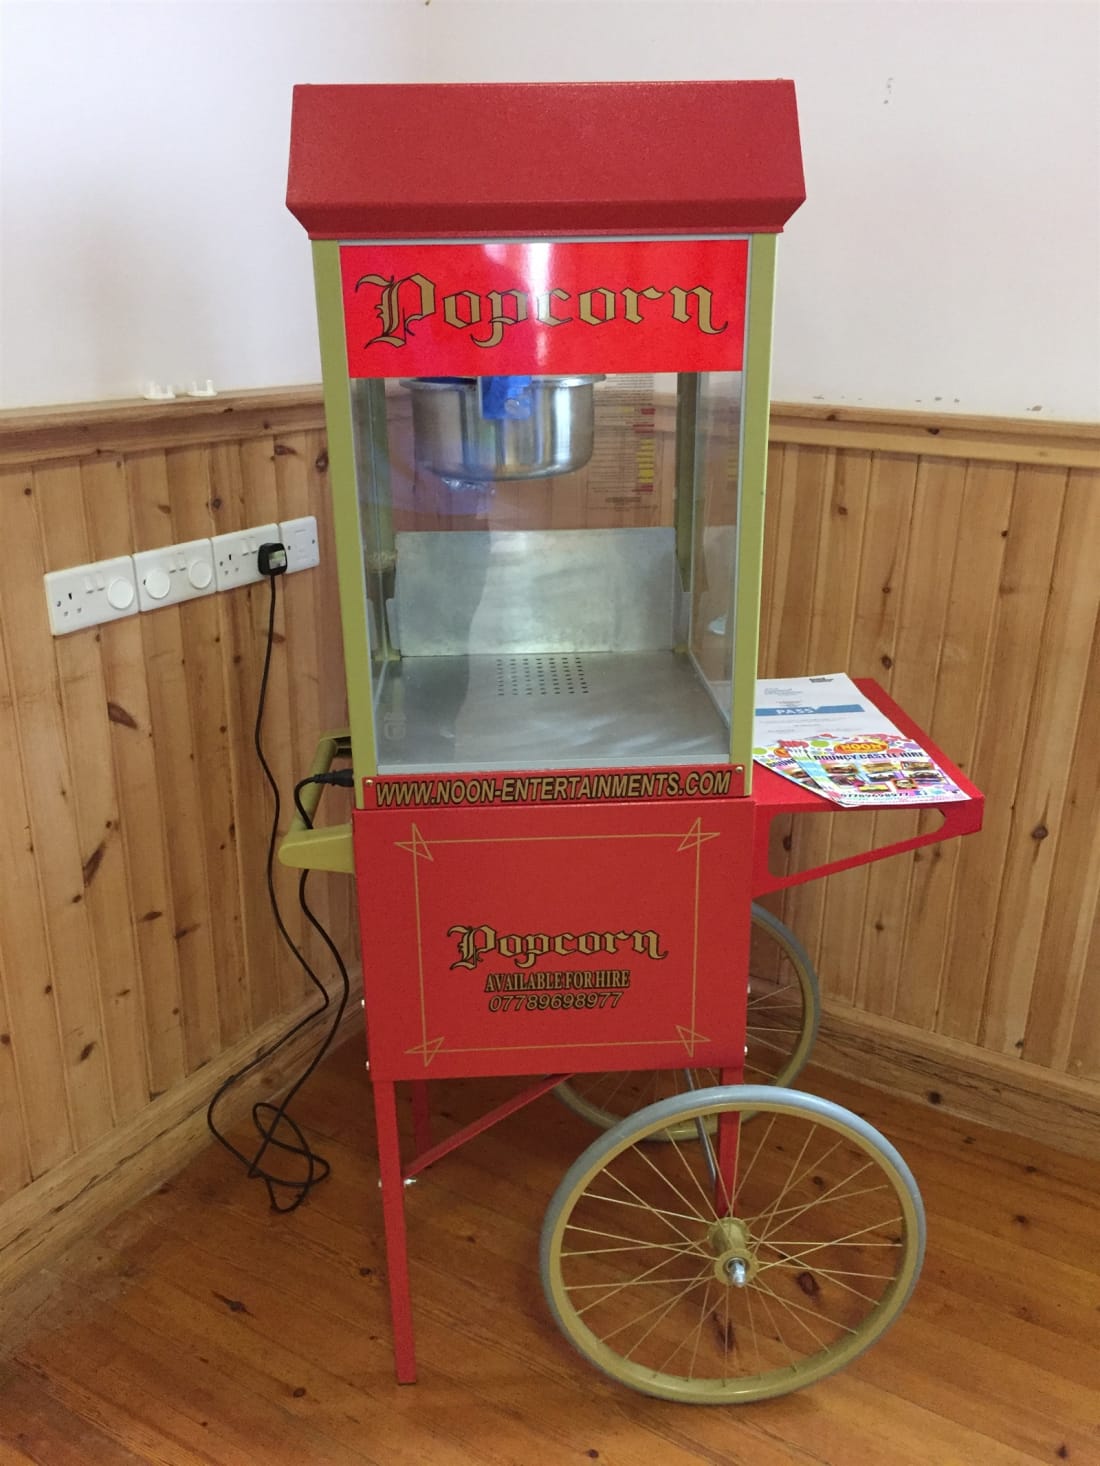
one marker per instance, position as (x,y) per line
(552,788)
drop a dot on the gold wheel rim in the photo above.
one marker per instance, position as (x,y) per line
(804,1310)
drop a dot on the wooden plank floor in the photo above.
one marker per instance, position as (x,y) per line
(200,1329)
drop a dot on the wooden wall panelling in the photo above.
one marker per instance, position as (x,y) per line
(262,507)
(111,973)
(833,910)
(28,1020)
(243,642)
(953,724)
(800,504)
(840,922)
(909,983)
(59,957)
(1084,1051)
(836,578)
(829,588)
(188,484)
(1022,608)
(15,1170)
(893,490)
(32,1059)
(970,696)
(869,640)
(179,792)
(1061,669)
(133,766)
(925,626)
(1059,993)
(805,494)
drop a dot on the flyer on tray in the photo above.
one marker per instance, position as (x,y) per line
(825,734)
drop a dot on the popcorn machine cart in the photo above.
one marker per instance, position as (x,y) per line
(545,319)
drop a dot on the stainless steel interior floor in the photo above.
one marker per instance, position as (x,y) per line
(546,711)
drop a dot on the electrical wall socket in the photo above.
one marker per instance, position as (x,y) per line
(300,538)
(235,555)
(87,595)
(176,573)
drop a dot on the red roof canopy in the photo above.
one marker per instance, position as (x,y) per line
(499,159)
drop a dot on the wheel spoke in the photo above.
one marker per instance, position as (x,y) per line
(695,1334)
(658,1321)
(800,1308)
(787,1184)
(752,1325)
(680,1251)
(829,1272)
(758,1069)
(639,1282)
(824,1273)
(784,1304)
(698,1216)
(833,1194)
(840,1241)
(707,1200)
(756,1040)
(618,1237)
(624,1079)
(761,1217)
(756,1153)
(617,1288)
(642,1205)
(760,1000)
(777,1000)
(779,1334)
(829,1195)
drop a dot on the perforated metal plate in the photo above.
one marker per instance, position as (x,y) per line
(546,711)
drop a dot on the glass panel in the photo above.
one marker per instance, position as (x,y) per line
(717,453)
(528,608)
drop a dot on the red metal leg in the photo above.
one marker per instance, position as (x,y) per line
(434,1153)
(393,1218)
(422,1116)
(729,1127)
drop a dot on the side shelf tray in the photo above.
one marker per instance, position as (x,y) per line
(327,848)
(774,796)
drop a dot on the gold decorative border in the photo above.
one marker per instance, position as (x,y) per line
(420,849)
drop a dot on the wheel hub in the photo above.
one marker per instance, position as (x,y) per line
(735,1262)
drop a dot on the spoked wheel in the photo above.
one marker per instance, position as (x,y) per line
(784,1008)
(671,1290)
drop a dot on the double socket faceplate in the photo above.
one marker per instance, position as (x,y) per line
(87,595)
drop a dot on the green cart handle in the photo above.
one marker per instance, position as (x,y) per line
(330,847)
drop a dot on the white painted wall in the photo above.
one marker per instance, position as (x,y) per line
(948,254)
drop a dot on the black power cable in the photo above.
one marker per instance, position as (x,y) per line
(272,1121)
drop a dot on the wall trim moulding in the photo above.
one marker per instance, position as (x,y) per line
(82,1194)
(962,1079)
(102,429)
(106,429)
